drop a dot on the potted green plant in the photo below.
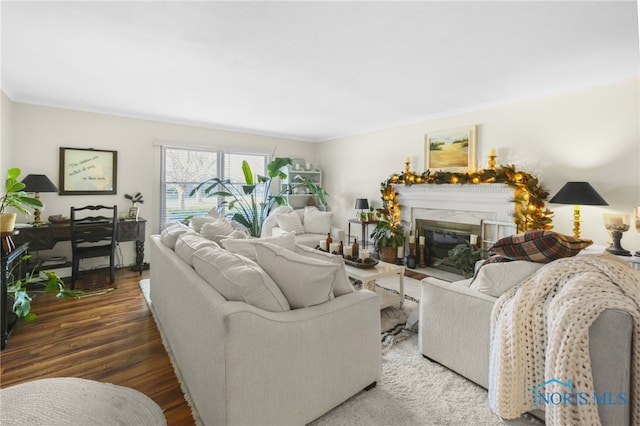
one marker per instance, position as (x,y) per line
(15,197)
(387,237)
(464,257)
(22,289)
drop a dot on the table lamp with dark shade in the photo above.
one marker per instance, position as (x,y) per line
(578,194)
(362,204)
(37,184)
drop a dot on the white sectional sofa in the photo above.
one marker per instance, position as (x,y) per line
(248,365)
(311,226)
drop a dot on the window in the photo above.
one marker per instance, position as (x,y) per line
(184,168)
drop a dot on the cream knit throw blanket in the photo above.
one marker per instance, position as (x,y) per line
(540,331)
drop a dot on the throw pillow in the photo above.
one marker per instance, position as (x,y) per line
(246,246)
(316,221)
(239,279)
(170,234)
(189,243)
(270,222)
(496,278)
(342,285)
(290,222)
(198,221)
(539,246)
(304,281)
(220,226)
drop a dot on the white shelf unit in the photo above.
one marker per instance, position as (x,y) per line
(298,196)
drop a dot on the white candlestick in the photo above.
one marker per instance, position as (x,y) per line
(492,152)
(400,252)
(412,239)
(364,254)
(323,245)
(348,250)
(473,239)
(335,247)
(422,240)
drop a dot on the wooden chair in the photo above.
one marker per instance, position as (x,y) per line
(93,234)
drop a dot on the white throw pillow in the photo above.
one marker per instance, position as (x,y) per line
(270,222)
(170,234)
(189,243)
(496,278)
(198,221)
(316,221)
(239,279)
(246,247)
(290,222)
(342,285)
(304,281)
(220,226)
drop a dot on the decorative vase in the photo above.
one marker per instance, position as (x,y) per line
(7,221)
(372,217)
(388,254)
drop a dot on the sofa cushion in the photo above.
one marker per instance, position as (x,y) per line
(342,284)
(290,222)
(198,221)
(246,247)
(304,281)
(496,278)
(270,222)
(171,232)
(219,226)
(316,221)
(239,279)
(190,242)
(539,246)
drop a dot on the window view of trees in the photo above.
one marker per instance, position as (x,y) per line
(184,168)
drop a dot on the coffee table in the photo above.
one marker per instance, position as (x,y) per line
(382,269)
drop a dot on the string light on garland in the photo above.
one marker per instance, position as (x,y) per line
(529,196)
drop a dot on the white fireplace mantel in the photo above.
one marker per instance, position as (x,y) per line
(456,202)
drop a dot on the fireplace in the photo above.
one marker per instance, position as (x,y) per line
(440,237)
(447,214)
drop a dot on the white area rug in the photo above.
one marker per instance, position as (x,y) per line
(70,401)
(416,391)
(145,287)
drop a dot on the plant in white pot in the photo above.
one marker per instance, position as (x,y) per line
(15,197)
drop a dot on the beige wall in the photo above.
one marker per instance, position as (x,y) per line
(591,135)
(38,133)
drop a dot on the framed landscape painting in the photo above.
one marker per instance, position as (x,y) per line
(452,150)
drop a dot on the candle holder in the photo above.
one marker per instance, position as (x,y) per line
(616,224)
(411,258)
(492,162)
(421,263)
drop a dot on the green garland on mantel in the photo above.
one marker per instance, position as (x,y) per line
(529,196)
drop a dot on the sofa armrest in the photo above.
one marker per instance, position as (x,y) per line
(454,318)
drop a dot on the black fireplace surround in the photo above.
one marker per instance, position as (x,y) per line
(442,236)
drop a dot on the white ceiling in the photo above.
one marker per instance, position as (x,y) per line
(309,70)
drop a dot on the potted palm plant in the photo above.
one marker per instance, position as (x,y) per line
(15,197)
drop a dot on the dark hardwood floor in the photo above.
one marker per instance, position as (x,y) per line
(110,337)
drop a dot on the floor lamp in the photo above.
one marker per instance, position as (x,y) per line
(38,184)
(578,194)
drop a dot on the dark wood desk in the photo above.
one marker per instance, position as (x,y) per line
(8,319)
(47,236)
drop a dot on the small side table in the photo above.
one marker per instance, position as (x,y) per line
(365,224)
